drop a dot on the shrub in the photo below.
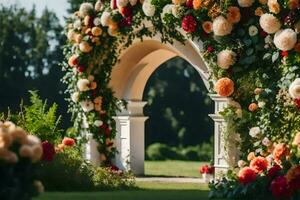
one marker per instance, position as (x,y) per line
(205,152)
(191,153)
(158,151)
(70,172)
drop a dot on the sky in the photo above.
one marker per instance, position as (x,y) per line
(58,6)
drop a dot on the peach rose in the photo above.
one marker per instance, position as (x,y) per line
(96,31)
(280,151)
(252,107)
(221,26)
(197,4)
(258,91)
(207,26)
(259,11)
(224,87)
(85,47)
(250,156)
(259,164)
(274,6)
(73,60)
(296,140)
(233,15)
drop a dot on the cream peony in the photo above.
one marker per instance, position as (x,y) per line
(221,26)
(254,132)
(75,97)
(166,10)
(226,58)
(105,18)
(294,89)
(87,106)
(97,21)
(269,23)
(33,140)
(122,3)
(286,39)
(77,25)
(148,8)
(253,30)
(98,123)
(245,3)
(85,9)
(83,85)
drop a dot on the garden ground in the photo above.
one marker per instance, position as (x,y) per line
(144,191)
(173,168)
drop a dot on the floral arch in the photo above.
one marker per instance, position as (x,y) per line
(250,48)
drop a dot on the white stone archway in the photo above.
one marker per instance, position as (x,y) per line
(129,78)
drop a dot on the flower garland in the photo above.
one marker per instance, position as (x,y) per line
(252,49)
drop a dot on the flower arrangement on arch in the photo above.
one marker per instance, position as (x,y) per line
(19,157)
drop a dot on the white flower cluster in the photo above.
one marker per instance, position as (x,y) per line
(148,8)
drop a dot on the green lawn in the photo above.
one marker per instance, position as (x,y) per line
(145,191)
(173,168)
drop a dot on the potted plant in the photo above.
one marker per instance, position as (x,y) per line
(207,172)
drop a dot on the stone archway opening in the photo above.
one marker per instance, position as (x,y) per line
(178,127)
(129,78)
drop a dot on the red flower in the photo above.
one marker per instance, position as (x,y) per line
(80,69)
(68,141)
(114,4)
(106,129)
(114,168)
(247,175)
(189,4)
(126,11)
(284,53)
(280,188)
(48,151)
(126,21)
(297,102)
(263,34)
(293,177)
(273,171)
(189,24)
(210,49)
(205,169)
(259,164)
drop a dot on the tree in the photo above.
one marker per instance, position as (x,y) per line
(30,53)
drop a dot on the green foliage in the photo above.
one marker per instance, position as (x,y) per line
(160,151)
(38,118)
(70,172)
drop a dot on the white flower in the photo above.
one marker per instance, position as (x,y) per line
(98,123)
(85,9)
(98,5)
(75,97)
(33,140)
(253,30)
(133,2)
(122,3)
(286,39)
(105,18)
(83,85)
(294,89)
(269,39)
(178,11)
(226,58)
(221,26)
(97,21)
(87,106)
(77,24)
(269,23)
(245,3)
(261,104)
(266,142)
(71,34)
(166,10)
(241,163)
(254,132)
(148,8)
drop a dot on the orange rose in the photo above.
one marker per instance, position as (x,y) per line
(197,4)
(250,156)
(224,87)
(259,164)
(274,6)
(259,11)
(233,15)
(297,47)
(78,38)
(280,151)
(207,26)
(252,107)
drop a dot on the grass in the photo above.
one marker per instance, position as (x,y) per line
(144,191)
(173,168)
